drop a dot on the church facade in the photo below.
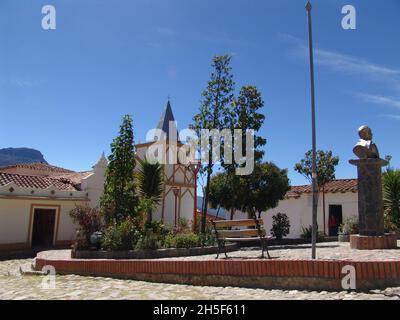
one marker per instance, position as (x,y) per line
(178,200)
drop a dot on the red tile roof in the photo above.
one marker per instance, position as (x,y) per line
(74,178)
(39,166)
(339,185)
(36,182)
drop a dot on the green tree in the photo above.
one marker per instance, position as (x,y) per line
(246,116)
(150,185)
(214,113)
(262,189)
(391,197)
(119,199)
(224,192)
(326,164)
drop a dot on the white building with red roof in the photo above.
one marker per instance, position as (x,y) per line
(35,201)
(341,202)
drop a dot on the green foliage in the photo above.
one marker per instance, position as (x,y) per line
(326,164)
(391,199)
(119,199)
(182,240)
(245,116)
(306,232)
(207,239)
(349,226)
(182,225)
(88,219)
(122,236)
(214,113)
(262,189)
(217,97)
(149,240)
(225,191)
(150,183)
(254,193)
(280,226)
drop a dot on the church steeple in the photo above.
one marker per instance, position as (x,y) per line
(167,119)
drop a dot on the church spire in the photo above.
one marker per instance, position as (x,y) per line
(167,119)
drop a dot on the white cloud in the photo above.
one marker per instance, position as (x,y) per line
(380,100)
(354,66)
(345,63)
(392,116)
(21,83)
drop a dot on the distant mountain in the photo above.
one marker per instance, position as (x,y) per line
(10,156)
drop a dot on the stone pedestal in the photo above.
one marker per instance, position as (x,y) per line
(370,207)
(370,203)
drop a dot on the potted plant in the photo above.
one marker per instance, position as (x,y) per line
(348,227)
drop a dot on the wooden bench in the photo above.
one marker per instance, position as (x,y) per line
(253,230)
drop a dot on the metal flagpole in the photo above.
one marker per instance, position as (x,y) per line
(314,143)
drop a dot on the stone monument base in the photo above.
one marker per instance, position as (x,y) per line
(386,241)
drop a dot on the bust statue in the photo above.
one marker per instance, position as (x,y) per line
(365,148)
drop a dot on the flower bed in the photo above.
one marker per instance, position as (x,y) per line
(149,254)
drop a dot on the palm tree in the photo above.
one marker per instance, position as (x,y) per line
(391,196)
(150,183)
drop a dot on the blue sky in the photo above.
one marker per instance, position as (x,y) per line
(64,91)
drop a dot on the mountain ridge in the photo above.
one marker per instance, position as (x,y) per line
(11,156)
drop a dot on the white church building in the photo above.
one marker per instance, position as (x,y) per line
(36,198)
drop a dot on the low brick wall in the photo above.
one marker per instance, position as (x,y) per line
(267,274)
(387,241)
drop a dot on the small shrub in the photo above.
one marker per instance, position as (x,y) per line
(169,241)
(149,240)
(280,226)
(88,219)
(208,239)
(121,237)
(186,240)
(349,225)
(182,226)
(306,232)
(182,240)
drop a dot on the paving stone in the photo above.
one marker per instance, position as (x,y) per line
(15,286)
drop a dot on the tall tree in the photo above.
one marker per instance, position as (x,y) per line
(150,184)
(119,199)
(326,164)
(214,114)
(246,116)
